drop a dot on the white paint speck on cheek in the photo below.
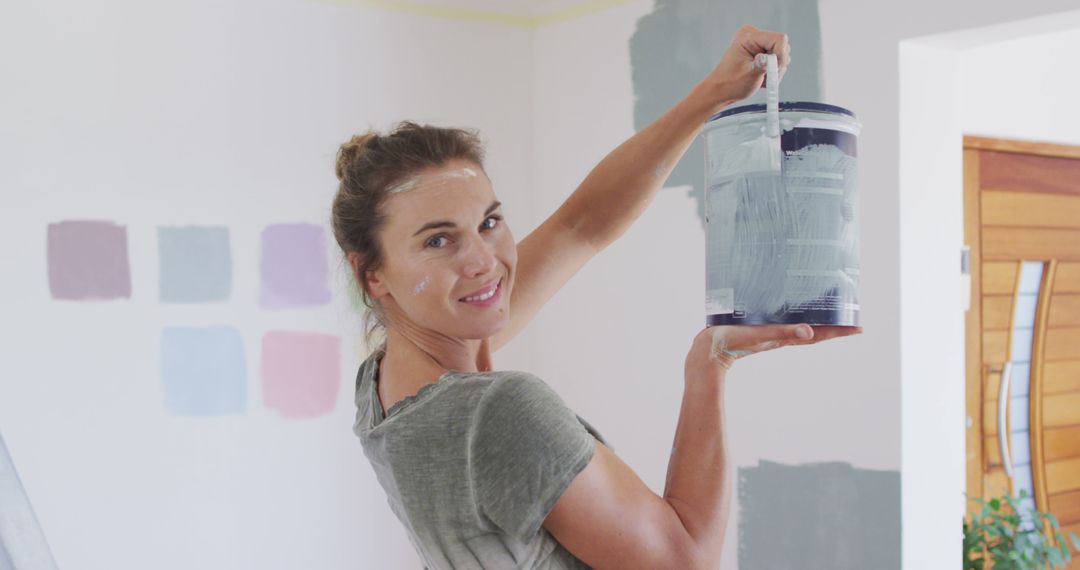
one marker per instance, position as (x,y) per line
(421,285)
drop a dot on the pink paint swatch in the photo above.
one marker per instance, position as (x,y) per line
(301,372)
(88,260)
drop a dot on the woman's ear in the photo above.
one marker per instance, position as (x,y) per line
(373,279)
(375,285)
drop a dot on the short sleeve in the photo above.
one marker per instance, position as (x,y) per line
(526,447)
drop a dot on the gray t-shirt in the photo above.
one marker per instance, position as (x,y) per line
(473,463)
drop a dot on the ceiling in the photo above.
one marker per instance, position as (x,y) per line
(518,13)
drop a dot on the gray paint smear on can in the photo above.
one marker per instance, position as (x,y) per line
(676,46)
(818,515)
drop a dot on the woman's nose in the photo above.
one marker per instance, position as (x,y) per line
(478,257)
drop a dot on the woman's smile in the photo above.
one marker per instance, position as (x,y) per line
(486,299)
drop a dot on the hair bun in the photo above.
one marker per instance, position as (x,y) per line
(352,150)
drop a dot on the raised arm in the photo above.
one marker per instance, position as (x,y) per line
(609,518)
(619,188)
(630,175)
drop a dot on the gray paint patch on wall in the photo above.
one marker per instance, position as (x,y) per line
(681,41)
(823,515)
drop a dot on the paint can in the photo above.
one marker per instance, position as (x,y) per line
(782,244)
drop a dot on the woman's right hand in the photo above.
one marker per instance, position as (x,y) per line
(738,75)
(716,348)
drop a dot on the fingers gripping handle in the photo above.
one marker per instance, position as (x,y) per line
(771,139)
(772,96)
(772,91)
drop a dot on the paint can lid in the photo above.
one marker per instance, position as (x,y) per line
(784,106)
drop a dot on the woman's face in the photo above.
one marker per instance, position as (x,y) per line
(444,239)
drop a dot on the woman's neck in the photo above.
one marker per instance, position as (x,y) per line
(426,354)
(406,366)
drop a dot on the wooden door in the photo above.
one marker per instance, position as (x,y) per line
(1022,223)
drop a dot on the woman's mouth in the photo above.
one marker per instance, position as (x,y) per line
(485,299)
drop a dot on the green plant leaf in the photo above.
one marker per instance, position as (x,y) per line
(1055,558)
(1007,534)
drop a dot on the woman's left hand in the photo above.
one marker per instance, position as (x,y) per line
(737,77)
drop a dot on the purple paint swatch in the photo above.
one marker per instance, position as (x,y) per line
(293,266)
(300,372)
(88,260)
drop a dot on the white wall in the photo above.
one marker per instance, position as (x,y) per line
(230,114)
(1024,87)
(1002,81)
(209,113)
(643,296)
(931,319)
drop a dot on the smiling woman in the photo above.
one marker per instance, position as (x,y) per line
(374,168)
(487,468)
(453,443)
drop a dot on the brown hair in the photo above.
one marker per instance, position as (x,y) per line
(367,166)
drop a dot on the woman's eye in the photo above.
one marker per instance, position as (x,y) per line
(433,239)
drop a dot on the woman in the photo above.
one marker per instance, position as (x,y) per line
(490,469)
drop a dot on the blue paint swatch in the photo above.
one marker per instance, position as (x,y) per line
(203,370)
(195,264)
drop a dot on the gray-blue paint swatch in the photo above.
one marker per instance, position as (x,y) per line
(195,264)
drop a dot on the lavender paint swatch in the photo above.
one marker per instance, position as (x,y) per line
(203,370)
(293,266)
(195,264)
(88,260)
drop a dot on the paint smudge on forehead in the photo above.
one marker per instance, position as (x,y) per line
(426,181)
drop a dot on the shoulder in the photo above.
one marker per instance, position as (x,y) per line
(525,448)
(520,409)
(519,391)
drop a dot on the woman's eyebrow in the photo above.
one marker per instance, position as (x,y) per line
(448,224)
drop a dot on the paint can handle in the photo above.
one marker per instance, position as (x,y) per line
(772,95)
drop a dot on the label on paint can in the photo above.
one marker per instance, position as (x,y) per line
(720,301)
